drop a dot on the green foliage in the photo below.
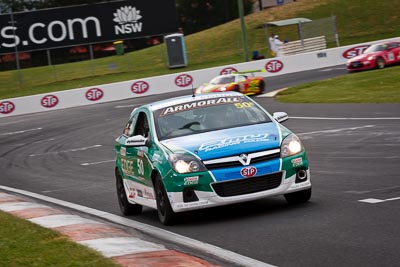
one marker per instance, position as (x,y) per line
(23,5)
(197,15)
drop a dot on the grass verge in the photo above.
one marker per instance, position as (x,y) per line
(23,243)
(375,86)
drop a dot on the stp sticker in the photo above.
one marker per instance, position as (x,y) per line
(354,51)
(6,107)
(274,66)
(49,101)
(140,87)
(227,70)
(183,80)
(94,94)
(249,171)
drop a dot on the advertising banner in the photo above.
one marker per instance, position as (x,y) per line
(84,24)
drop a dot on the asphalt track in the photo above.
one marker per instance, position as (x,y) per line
(352,219)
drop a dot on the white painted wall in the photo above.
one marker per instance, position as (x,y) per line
(175,82)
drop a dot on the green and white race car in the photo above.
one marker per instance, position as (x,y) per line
(207,150)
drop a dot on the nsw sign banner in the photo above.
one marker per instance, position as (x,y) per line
(85,24)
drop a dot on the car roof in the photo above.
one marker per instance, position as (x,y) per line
(387,43)
(188,98)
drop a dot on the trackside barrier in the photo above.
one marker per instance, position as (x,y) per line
(302,46)
(179,81)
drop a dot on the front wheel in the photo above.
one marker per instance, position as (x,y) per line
(236,88)
(124,205)
(165,213)
(299,196)
(380,63)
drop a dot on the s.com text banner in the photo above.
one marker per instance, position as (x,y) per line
(84,24)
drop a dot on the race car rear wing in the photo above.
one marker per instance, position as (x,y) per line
(249,71)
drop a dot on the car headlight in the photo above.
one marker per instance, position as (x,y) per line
(182,163)
(291,145)
(371,58)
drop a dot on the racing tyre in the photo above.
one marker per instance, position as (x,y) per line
(125,207)
(380,63)
(165,213)
(262,87)
(299,196)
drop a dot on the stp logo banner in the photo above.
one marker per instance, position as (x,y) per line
(49,101)
(183,80)
(274,66)
(354,51)
(6,107)
(227,70)
(140,87)
(94,94)
(249,171)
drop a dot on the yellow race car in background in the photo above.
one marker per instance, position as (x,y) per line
(237,81)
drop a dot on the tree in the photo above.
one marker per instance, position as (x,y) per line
(26,5)
(197,15)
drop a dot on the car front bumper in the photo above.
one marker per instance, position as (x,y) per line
(206,199)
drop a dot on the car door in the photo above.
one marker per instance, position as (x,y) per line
(391,53)
(124,159)
(396,52)
(138,156)
(242,82)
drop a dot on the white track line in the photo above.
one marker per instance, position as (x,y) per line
(376,200)
(22,131)
(98,162)
(338,130)
(128,106)
(151,230)
(65,151)
(11,122)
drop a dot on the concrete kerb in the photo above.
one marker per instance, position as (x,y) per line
(56,220)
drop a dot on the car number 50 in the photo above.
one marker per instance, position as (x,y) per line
(244,105)
(140,167)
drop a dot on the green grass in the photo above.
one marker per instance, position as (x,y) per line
(357,21)
(375,86)
(23,243)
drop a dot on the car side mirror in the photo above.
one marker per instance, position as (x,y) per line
(280,116)
(136,141)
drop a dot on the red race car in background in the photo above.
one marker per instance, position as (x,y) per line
(237,81)
(376,56)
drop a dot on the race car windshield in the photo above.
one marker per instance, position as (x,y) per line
(223,80)
(375,48)
(205,116)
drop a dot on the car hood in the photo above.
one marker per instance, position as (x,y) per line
(364,56)
(228,142)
